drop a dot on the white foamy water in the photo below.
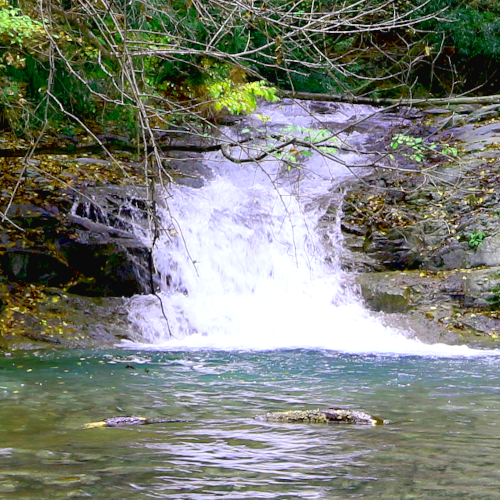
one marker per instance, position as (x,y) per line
(242,266)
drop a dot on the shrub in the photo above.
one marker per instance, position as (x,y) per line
(471,31)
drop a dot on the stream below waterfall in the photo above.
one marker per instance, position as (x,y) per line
(442,440)
(254,314)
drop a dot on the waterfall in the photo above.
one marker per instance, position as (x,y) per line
(240,262)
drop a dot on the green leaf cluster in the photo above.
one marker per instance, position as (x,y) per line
(415,149)
(318,139)
(221,88)
(239,98)
(476,238)
(17,28)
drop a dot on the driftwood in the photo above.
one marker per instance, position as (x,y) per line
(133,420)
(310,96)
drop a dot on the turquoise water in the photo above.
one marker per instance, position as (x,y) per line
(442,441)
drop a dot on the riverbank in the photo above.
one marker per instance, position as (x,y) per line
(63,274)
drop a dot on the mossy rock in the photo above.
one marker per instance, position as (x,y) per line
(328,416)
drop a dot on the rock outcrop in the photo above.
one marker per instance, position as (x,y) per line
(424,237)
(66,262)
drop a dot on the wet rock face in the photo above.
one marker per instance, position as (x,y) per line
(440,215)
(423,230)
(439,306)
(435,230)
(35,266)
(99,255)
(54,318)
(64,273)
(425,239)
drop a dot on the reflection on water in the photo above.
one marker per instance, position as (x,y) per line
(442,441)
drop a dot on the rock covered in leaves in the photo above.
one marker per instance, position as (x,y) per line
(425,238)
(65,263)
(437,213)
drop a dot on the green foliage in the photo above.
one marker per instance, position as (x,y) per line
(344,44)
(293,143)
(120,118)
(11,100)
(311,82)
(415,149)
(10,93)
(472,27)
(307,139)
(471,32)
(16,28)
(19,36)
(415,145)
(187,57)
(320,139)
(239,98)
(476,238)
(221,87)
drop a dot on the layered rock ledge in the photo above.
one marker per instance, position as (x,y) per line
(423,237)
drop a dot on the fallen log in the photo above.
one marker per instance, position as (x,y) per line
(310,96)
(109,146)
(133,420)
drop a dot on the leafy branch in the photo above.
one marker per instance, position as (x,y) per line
(292,143)
(417,150)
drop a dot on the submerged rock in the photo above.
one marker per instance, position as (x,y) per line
(329,416)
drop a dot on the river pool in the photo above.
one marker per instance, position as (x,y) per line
(442,440)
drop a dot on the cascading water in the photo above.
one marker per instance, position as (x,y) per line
(241,263)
